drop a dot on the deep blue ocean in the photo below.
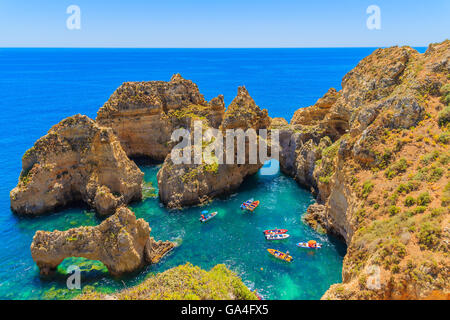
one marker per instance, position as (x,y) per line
(40,87)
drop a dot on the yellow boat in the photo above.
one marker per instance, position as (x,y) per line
(280,255)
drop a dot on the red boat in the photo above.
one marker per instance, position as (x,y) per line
(275,231)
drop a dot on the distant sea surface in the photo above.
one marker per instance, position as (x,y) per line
(40,87)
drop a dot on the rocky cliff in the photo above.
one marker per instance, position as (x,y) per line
(376,153)
(190,184)
(184,282)
(121,242)
(144,114)
(77,160)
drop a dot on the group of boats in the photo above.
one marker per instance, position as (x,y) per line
(270,234)
(250,205)
(281,234)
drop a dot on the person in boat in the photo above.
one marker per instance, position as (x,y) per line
(287,255)
(312,243)
(203,216)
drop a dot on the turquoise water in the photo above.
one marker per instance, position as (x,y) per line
(233,237)
(39,87)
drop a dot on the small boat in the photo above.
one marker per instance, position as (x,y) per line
(275,231)
(311,244)
(246,203)
(207,216)
(280,255)
(253,205)
(277,236)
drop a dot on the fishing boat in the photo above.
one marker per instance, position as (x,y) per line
(253,205)
(280,255)
(311,244)
(207,216)
(275,231)
(246,203)
(277,236)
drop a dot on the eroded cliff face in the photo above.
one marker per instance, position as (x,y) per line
(376,153)
(144,114)
(76,161)
(121,242)
(190,184)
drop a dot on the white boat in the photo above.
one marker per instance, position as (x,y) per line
(309,245)
(277,236)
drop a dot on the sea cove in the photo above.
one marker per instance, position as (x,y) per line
(97,77)
(109,191)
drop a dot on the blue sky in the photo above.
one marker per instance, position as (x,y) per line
(222,23)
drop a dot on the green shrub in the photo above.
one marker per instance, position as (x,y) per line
(437,212)
(444,138)
(366,189)
(445,199)
(444,116)
(393,210)
(408,187)
(410,201)
(429,234)
(385,159)
(396,169)
(419,209)
(435,174)
(423,199)
(429,157)
(445,91)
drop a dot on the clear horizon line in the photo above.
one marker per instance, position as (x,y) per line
(114,47)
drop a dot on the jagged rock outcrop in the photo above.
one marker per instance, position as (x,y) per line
(121,242)
(76,161)
(144,114)
(373,153)
(189,184)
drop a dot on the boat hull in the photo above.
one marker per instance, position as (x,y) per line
(280,255)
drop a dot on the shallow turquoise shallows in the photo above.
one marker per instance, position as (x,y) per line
(234,237)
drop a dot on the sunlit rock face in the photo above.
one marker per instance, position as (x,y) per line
(121,242)
(77,160)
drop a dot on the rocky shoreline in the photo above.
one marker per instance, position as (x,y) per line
(375,154)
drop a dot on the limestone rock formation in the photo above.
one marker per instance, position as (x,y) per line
(76,161)
(121,242)
(144,114)
(376,153)
(243,113)
(190,184)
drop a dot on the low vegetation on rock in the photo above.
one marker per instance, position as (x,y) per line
(184,282)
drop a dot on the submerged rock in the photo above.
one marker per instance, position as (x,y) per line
(121,242)
(76,161)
